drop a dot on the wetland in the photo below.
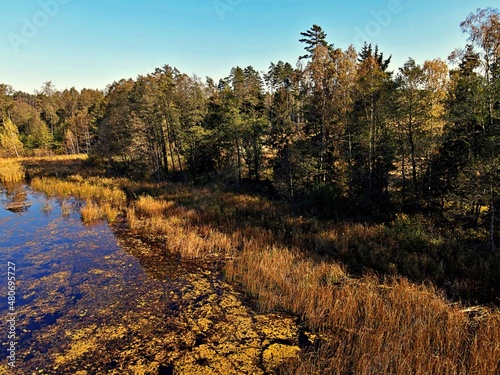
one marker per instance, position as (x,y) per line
(119,276)
(97,299)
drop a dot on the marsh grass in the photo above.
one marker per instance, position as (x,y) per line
(365,324)
(177,225)
(103,199)
(59,166)
(66,208)
(11,170)
(151,206)
(368,326)
(80,188)
(47,206)
(92,211)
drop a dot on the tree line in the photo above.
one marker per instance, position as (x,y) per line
(339,134)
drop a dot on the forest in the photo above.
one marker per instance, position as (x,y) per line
(339,137)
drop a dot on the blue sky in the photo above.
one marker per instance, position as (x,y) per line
(91,43)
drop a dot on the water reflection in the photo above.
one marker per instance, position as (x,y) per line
(15,198)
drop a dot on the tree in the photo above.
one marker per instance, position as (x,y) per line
(240,120)
(47,104)
(115,130)
(412,112)
(254,116)
(483,28)
(6,100)
(10,143)
(34,132)
(313,38)
(468,163)
(285,127)
(190,100)
(436,84)
(371,148)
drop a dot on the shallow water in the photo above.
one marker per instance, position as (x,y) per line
(89,301)
(73,280)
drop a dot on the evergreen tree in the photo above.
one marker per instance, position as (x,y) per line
(313,38)
(371,137)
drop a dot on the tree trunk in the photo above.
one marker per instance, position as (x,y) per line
(238,165)
(403,166)
(256,156)
(492,224)
(412,156)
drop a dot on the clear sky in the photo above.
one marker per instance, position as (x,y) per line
(91,43)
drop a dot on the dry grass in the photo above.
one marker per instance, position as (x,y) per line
(176,225)
(49,158)
(152,207)
(59,166)
(108,212)
(104,200)
(11,170)
(369,327)
(131,217)
(80,188)
(92,212)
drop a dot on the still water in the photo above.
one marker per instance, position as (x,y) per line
(82,299)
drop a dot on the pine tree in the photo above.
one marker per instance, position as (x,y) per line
(313,38)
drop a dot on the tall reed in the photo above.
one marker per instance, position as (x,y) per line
(11,170)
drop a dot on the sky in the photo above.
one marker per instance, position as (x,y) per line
(92,43)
